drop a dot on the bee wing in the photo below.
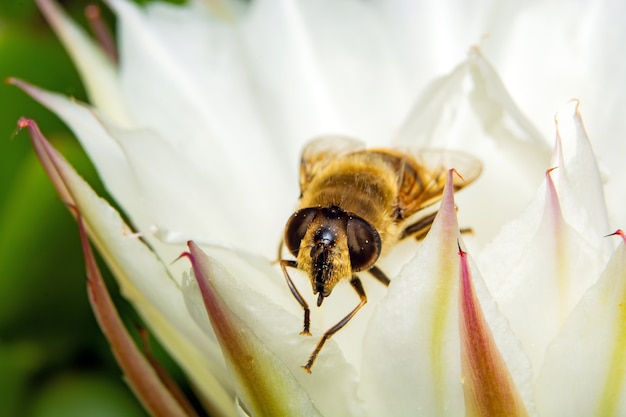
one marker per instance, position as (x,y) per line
(423,184)
(322,150)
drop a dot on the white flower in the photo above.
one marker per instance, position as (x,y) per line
(196,134)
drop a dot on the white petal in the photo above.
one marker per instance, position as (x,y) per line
(537,273)
(539,265)
(195,85)
(431,37)
(106,155)
(470,109)
(575,44)
(578,179)
(171,191)
(96,70)
(585,371)
(312,86)
(330,385)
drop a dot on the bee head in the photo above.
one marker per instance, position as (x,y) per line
(330,245)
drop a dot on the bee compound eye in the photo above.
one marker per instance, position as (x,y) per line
(363,243)
(296,228)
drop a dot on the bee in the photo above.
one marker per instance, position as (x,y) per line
(354,204)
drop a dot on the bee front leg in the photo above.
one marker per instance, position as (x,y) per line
(420,228)
(284,263)
(358,287)
(379,275)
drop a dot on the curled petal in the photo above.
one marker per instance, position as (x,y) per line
(470,109)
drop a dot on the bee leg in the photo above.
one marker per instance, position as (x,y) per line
(358,287)
(379,275)
(284,263)
(420,228)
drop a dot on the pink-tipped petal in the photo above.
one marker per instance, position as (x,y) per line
(265,386)
(258,296)
(542,259)
(144,380)
(488,387)
(101,32)
(143,279)
(48,157)
(141,376)
(427,293)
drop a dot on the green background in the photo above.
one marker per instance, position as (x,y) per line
(54,360)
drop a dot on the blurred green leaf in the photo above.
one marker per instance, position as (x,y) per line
(80,395)
(17,363)
(40,262)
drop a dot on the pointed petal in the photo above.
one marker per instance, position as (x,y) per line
(101,32)
(426,331)
(143,279)
(579,179)
(256,295)
(265,386)
(141,376)
(595,332)
(487,383)
(585,34)
(541,260)
(97,71)
(427,293)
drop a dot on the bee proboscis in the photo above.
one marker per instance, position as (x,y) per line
(354,204)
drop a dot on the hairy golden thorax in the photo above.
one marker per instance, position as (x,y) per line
(361,183)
